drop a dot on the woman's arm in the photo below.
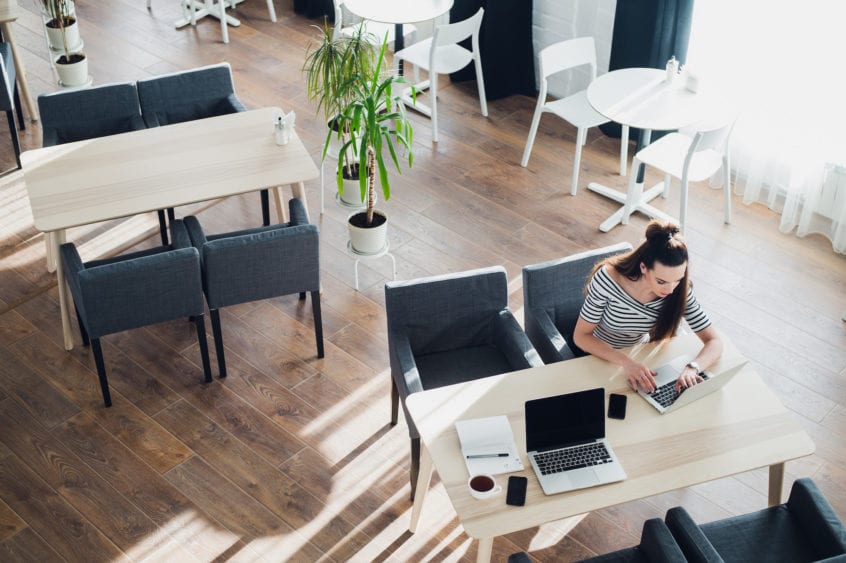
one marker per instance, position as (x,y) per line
(636,372)
(710,353)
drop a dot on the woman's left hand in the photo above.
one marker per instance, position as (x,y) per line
(687,378)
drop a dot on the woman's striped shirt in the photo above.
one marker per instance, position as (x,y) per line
(621,320)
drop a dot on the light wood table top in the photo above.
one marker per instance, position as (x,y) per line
(740,427)
(122,175)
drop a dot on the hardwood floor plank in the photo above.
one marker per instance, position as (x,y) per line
(10,523)
(27,545)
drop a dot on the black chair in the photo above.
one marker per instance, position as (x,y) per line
(805,528)
(88,113)
(656,546)
(553,295)
(10,100)
(450,329)
(193,94)
(135,290)
(258,264)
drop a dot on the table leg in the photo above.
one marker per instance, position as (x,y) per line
(298,191)
(776,480)
(51,258)
(424,477)
(485,550)
(281,212)
(56,239)
(21,73)
(399,44)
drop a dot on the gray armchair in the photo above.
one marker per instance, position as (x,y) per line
(450,329)
(258,264)
(193,94)
(553,295)
(135,290)
(656,546)
(806,528)
(10,100)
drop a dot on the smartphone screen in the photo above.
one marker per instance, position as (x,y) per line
(516,495)
(617,406)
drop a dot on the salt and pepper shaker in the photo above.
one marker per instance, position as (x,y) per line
(672,69)
(283,126)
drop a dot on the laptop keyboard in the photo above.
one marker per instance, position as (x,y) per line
(557,461)
(666,395)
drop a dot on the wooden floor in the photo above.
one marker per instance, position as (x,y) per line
(290,457)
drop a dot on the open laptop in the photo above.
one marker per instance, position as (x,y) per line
(565,440)
(665,398)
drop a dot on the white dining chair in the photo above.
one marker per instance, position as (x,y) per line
(348,26)
(441,54)
(220,8)
(693,154)
(575,108)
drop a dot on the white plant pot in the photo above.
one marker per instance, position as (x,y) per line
(368,240)
(54,36)
(75,74)
(352,194)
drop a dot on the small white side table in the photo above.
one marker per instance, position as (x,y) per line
(359,256)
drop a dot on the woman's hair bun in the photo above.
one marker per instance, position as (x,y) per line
(659,230)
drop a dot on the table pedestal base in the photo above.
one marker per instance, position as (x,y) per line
(194,10)
(416,104)
(640,203)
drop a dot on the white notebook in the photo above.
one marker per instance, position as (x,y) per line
(483,443)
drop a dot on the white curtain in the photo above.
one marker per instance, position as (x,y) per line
(784,64)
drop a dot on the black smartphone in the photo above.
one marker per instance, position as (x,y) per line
(617,406)
(516,495)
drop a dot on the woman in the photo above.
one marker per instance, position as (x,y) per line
(643,295)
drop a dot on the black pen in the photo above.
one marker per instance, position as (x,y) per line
(479,456)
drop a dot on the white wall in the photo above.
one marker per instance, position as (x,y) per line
(556,20)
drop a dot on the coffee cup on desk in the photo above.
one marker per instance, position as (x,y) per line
(483,486)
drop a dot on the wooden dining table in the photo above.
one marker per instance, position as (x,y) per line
(106,178)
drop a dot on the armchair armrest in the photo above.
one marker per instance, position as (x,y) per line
(407,377)
(73,267)
(231,104)
(816,518)
(297,212)
(509,337)
(549,339)
(693,543)
(657,542)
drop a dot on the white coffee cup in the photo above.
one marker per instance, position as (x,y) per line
(483,486)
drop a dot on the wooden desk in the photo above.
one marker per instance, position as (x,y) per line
(9,13)
(122,175)
(642,98)
(741,427)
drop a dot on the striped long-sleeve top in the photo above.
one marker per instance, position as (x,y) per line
(621,320)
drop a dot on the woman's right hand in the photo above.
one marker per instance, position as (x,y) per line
(639,374)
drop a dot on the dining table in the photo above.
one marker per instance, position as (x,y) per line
(9,12)
(123,175)
(644,99)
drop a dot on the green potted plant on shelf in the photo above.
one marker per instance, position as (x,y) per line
(373,116)
(71,64)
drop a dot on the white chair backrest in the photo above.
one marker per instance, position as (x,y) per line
(568,54)
(710,134)
(451,33)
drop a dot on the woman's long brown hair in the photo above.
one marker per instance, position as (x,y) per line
(664,244)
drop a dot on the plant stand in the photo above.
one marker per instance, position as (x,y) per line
(359,256)
(338,200)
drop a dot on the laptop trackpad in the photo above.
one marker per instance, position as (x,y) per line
(583,478)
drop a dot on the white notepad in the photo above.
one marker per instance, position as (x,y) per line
(488,436)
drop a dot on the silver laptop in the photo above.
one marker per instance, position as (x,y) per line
(565,440)
(665,398)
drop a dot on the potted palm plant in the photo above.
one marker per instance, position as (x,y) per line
(373,114)
(330,67)
(71,64)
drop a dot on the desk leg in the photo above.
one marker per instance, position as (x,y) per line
(298,191)
(51,258)
(281,212)
(483,555)
(424,477)
(21,73)
(776,480)
(56,239)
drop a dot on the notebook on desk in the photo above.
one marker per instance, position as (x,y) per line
(565,442)
(666,399)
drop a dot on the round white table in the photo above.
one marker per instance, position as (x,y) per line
(642,98)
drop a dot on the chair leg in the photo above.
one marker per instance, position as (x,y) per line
(82,332)
(16,144)
(162,227)
(200,323)
(218,341)
(415,465)
(302,295)
(668,180)
(727,189)
(683,204)
(265,208)
(581,137)
(433,94)
(318,322)
(101,371)
(224,29)
(624,150)
(19,107)
(533,131)
(394,402)
(480,82)
(171,215)
(271,10)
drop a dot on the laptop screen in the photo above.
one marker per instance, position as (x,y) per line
(565,420)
